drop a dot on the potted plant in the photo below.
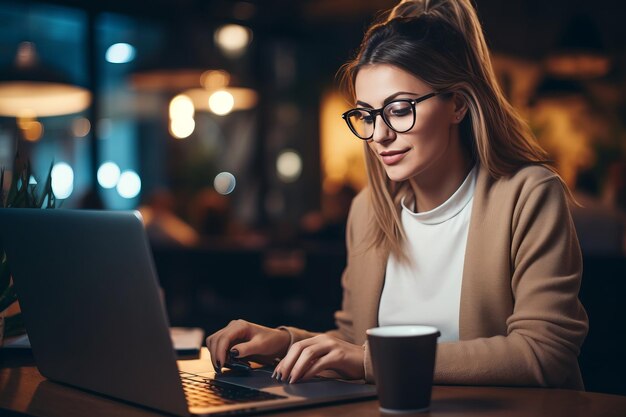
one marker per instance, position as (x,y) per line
(22,193)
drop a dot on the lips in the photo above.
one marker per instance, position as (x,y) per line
(393,157)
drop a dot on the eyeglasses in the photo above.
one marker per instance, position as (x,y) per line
(399,115)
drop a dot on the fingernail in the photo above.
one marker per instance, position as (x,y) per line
(274,374)
(234,353)
(278,376)
(289,382)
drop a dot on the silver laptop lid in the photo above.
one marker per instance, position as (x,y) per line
(89,259)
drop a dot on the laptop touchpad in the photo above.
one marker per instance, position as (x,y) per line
(258,379)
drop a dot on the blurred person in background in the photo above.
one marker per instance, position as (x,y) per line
(209,212)
(329,224)
(163,226)
(600,225)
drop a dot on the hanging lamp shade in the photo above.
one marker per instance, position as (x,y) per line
(552,87)
(186,52)
(31,89)
(189,48)
(580,53)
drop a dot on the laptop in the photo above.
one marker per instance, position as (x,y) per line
(90,299)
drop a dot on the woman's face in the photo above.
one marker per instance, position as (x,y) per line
(424,149)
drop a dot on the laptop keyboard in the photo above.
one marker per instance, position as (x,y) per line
(205,392)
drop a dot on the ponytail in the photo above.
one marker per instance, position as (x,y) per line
(441,42)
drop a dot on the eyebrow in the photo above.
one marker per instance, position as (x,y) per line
(388,99)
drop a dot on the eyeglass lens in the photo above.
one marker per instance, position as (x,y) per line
(397,114)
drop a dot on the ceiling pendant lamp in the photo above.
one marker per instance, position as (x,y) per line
(185,54)
(580,54)
(29,89)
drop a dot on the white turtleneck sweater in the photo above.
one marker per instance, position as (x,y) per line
(428,290)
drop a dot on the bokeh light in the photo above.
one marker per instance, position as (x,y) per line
(181,107)
(81,127)
(62,180)
(32,130)
(233,39)
(224,183)
(108,174)
(221,102)
(182,127)
(289,165)
(214,79)
(129,184)
(120,53)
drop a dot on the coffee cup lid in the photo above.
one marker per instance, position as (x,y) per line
(402,331)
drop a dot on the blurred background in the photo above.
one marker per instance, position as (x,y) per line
(220,121)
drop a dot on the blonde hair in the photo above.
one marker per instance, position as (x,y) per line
(442,43)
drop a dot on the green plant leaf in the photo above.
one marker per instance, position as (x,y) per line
(31,199)
(47,191)
(13,189)
(20,198)
(24,195)
(25,184)
(7,298)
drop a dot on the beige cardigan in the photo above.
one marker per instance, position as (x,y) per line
(521,322)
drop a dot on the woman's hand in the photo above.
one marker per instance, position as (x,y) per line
(309,357)
(244,339)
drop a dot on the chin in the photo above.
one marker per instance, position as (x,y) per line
(398,175)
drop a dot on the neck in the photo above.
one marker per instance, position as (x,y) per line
(433,188)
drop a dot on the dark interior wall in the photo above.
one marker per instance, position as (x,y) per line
(524,27)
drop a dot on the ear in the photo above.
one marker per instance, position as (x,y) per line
(459,108)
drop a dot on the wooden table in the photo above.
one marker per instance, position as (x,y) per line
(23,389)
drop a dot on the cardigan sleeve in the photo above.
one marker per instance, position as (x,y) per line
(548,323)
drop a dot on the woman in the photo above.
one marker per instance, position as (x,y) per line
(463,224)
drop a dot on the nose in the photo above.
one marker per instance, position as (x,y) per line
(382,132)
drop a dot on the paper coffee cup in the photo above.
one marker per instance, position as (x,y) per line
(403,360)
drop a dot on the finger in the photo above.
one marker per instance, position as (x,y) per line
(309,358)
(326,362)
(223,344)
(284,367)
(210,344)
(249,348)
(275,373)
(290,359)
(216,341)
(302,358)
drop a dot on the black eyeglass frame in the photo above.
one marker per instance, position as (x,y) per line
(375,112)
